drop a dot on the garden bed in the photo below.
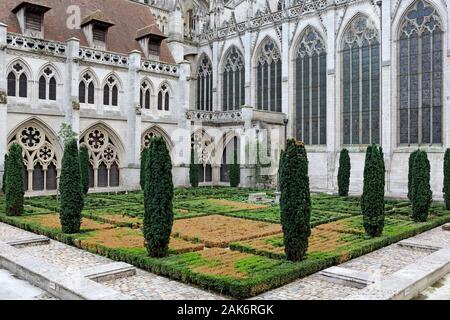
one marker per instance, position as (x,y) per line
(237,256)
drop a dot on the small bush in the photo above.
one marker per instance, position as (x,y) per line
(235,172)
(72,200)
(14,182)
(421,193)
(344,173)
(411,174)
(158,198)
(372,200)
(193,169)
(4,174)
(143,174)
(446,189)
(84,169)
(295,201)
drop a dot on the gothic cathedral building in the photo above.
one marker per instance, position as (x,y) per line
(230,80)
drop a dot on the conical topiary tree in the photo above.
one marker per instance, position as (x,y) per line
(372,200)
(421,193)
(446,189)
(411,174)
(235,172)
(72,199)
(344,173)
(84,169)
(143,174)
(193,169)
(158,197)
(4,174)
(14,182)
(295,201)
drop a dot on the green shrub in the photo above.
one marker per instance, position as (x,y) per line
(372,200)
(193,169)
(411,174)
(295,201)
(235,172)
(143,175)
(72,201)
(4,174)
(84,169)
(344,173)
(421,193)
(158,198)
(14,182)
(446,189)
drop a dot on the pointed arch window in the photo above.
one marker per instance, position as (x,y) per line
(111,92)
(39,158)
(86,89)
(47,85)
(361,83)
(203,148)
(420,76)
(311,89)
(268,74)
(233,81)
(229,153)
(164,98)
(204,84)
(104,159)
(17,81)
(145,94)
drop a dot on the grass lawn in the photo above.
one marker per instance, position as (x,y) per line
(220,241)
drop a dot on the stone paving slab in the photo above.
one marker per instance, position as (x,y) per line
(110,271)
(347,277)
(409,281)
(34,240)
(56,281)
(13,288)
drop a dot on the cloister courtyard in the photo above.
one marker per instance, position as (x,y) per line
(223,245)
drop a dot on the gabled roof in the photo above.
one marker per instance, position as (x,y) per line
(128,17)
(97,17)
(151,31)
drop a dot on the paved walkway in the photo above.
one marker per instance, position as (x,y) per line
(12,288)
(145,285)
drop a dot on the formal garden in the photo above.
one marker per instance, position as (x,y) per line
(214,237)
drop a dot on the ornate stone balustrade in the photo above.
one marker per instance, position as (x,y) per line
(19,42)
(215,116)
(300,8)
(159,67)
(103,57)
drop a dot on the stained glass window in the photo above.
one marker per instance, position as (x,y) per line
(311,89)
(268,74)
(204,84)
(361,83)
(420,76)
(233,81)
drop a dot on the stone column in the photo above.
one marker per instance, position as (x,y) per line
(181,138)
(131,163)
(246,38)
(71,107)
(333,116)
(388,135)
(287,100)
(216,75)
(3,99)
(215,174)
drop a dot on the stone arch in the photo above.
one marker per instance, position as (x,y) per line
(203,146)
(106,154)
(152,131)
(42,154)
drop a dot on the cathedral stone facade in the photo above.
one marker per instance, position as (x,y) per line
(230,80)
